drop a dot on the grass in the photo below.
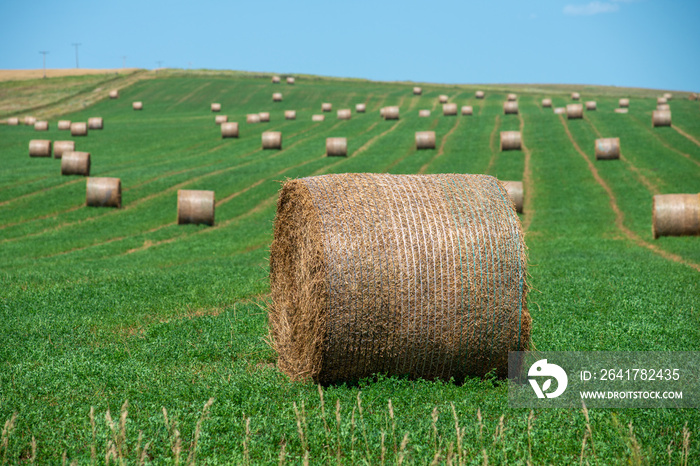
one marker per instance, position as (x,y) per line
(130,339)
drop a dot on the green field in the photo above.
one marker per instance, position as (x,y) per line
(102,307)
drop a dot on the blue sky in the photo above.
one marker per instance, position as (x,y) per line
(638,43)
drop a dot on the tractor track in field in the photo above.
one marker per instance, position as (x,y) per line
(619,215)
(528,212)
(686,135)
(441,150)
(492,143)
(664,143)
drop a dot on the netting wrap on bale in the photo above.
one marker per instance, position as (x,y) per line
(675,215)
(607,148)
(661,118)
(415,275)
(75,163)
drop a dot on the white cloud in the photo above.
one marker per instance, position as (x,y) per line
(592,8)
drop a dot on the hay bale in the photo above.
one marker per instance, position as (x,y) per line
(442,98)
(417,91)
(449,109)
(479,94)
(29,121)
(103,192)
(137,105)
(382,111)
(215,107)
(75,163)
(318,117)
(78,128)
(675,215)
(360,108)
(512,97)
(275,80)
(391,113)
(591,105)
(515,192)
(252,118)
(425,140)
(692,96)
(336,147)
(575,96)
(621,110)
(277,97)
(546,103)
(290,114)
(624,103)
(663,107)
(290,80)
(344,114)
(195,207)
(511,140)
(13,121)
(59,147)
(668,96)
(40,148)
(661,100)
(559,110)
(229,130)
(95,123)
(607,148)
(467,110)
(423,276)
(114,94)
(574,111)
(510,107)
(423,113)
(219,119)
(64,125)
(41,125)
(661,118)
(326,107)
(264,117)
(272,140)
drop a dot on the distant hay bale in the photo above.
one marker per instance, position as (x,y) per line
(391,113)
(290,114)
(336,147)
(137,105)
(277,97)
(692,96)
(425,140)
(479,94)
(512,97)
(668,96)
(663,107)
(382,111)
(290,80)
(624,103)
(675,215)
(219,119)
(215,107)
(360,108)
(41,125)
(511,140)
(229,130)
(591,105)
(358,290)
(103,192)
(417,91)
(318,117)
(344,114)
(264,117)
(195,207)
(442,98)
(449,109)
(574,111)
(64,125)
(272,140)
(13,121)
(29,121)
(326,107)
(59,147)
(661,118)
(575,96)
(515,192)
(559,110)
(275,80)
(546,103)
(607,148)
(40,148)
(621,110)
(114,94)
(95,123)
(75,163)
(78,128)
(423,113)
(510,107)
(252,118)
(661,100)
(467,110)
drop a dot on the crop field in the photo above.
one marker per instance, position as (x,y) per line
(127,338)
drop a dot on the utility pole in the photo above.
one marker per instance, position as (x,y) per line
(160,62)
(123,61)
(44,54)
(76,45)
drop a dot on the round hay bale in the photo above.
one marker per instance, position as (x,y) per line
(675,215)
(275,80)
(382,111)
(467,110)
(60,147)
(668,96)
(479,94)
(137,105)
(512,97)
(277,97)
(219,119)
(29,121)
(692,96)
(318,117)
(425,140)
(621,110)
(575,96)
(215,107)
(336,147)
(13,121)
(624,103)
(95,123)
(661,118)
(360,108)
(423,113)
(574,111)
(41,125)
(511,140)
(264,117)
(449,109)
(290,80)
(663,107)
(40,148)
(661,100)
(290,114)
(423,276)
(75,163)
(103,192)
(510,107)
(591,105)
(326,107)
(607,148)
(272,140)
(559,110)
(442,98)
(546,103)
(195,207)
(114,94)
(252,118)
(78,128)
(417,91)
(64,125)
(344,114)
(515,192)
(391,113)
(229,129)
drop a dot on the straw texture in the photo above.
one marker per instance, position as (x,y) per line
(661,100)
(326,107)
(75,163)
(59,147)
(621,110)
(591,105)
(661,118)
(510,107)
(318,117)
(63,125)
(663,107)
(137,105)
(479,94)
(512,97)
(272,140)
(467,110)
(219,119)
(391,113)
(275,80)
(215,107)
(607,148)
(412,275)
(290,114)
(114,94)
(277,97)
(624,103)
(336,147)
(13,121)
(344,114)
(547,103)
(575,96)
(290,80)
(676,215)
(515,192)
(668,96)
(95,123)
(511,140)
(449,109)
(264,117)
(417,91)
(40,148)
(574,111)
(423,113)
(103,192)
(252,118)
(78,129)
(41,125)
(360,108)
(425,140)
(229,129)
(195,207)
(29,121)
(442,98)
(560,110)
